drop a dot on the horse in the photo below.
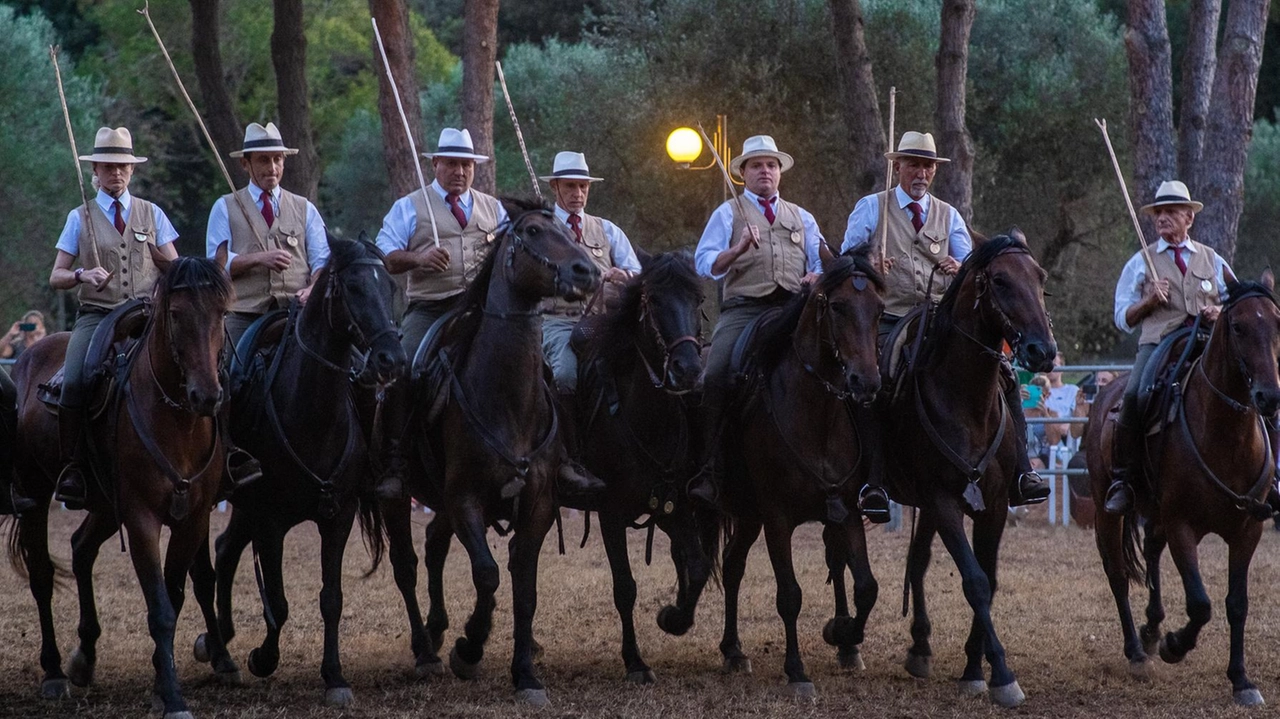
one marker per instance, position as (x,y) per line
(492,453)
(795,454)
(297,414)
(159,446)
(633,422)
(951,451)
(1204,470)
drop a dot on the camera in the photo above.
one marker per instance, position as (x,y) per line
(27,327)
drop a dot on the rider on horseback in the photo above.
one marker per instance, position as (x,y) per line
(927,239)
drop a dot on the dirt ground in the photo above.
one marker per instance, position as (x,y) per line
(1053,610)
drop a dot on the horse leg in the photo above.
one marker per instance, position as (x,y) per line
(228,547)
(209,646)
(1240,554)
(614,534)
(1109,536)
(268,542)
(468,650)
(439,537)
(919,663)
(1153,549)
(865,592)
(745,532)
(978,591)
(333,542)
(777,537)
(988,529)
(85,542)
(162,615)
(404,565)
(33,541)
(836,551)
(1186,556)
(522,563)
(693,570)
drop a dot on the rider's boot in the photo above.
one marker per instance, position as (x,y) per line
(873,501)
(574,482)
(71,489)
(1030,488)
(1125,459)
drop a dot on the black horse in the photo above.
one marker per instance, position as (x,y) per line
(491,453)
(297,414)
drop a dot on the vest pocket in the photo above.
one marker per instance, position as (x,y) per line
(1205,291)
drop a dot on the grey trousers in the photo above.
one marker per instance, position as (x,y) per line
(419,317)
(1135,377)
(733,321)
(555,348)
(74,386)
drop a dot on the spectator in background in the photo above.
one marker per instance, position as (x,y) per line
(24,333)
(1062,397)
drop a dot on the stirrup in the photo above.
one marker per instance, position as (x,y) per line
(873,502)
(702,489)
(1031,488)
(1119,498)
(242,468)
(575,480)
(13,503)
(71,488)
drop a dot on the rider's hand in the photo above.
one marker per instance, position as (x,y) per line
(949,265)
(1211,313)
(98,277)
(434,259)
(274,260)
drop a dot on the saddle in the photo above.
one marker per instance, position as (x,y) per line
(251,359)
(430,379)
(1165,375)
(111,351)
(900,349)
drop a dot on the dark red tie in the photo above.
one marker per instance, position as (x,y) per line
(767,206)
(575,223)
(1177,259)
(917,215)
(119,222)
(268,212)
(456,208)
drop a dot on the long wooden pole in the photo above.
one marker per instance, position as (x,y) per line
(408,133)
(1124,190)
(75,159)
(533,176)
(888,181)
(728,181)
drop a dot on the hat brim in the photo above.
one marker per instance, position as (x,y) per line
(898,155)
(113,159)
(588,178)
(1195,206)
(461,155)
(735,165)
(280,148)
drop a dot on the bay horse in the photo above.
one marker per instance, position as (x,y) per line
(795,454)
(298,417)
(1205,467)
(160,447)
(493,452)
(952,452)
(634,428)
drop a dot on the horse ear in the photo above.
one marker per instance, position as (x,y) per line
(978,238)
(1269,279)
(825,255)
(643,255)
(221,254)
(1016,233)
(161,262)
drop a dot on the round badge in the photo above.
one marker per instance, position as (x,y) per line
(935,247)
(669,507)
(597,251)
(653,502)
(293,241)
(488,237)
(795,236)
(1206,285)
(140,236)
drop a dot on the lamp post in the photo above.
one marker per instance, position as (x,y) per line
(684,146)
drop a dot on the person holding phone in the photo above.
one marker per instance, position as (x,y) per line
(24,333)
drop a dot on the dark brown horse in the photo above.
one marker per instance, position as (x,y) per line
(160,450)
(633,425)
(1204,468)
(493,452)
(298,417)
(795,454)
(952,450)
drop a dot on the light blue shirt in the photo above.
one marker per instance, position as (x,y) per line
(624,257)
(1129,287)
(865,220)
(219,230)
(402,220)
(69,240)
(717,236)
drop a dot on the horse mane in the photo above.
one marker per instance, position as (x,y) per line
(774,337)
(668,274)
(196,274)
(983,254)
(343,252)
(1239,290)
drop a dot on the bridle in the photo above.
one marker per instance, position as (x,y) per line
(649,325)
(516,244)
(827,339)
(334,294)
(173,348)
(1225,320)
(1008,331)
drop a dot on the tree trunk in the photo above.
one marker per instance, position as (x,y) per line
(479,52)
(1197,85)
(219,110)
(955,183)
(1150,102)
(1226,140)
(289,55)
(858,88)
(393,24)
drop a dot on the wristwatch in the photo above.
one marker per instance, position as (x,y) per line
(79,271)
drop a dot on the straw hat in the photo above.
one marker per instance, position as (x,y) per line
(114,147)
(760,146)
(1173,192)
(570,166)
(455,143)
(919,145)
(263,139)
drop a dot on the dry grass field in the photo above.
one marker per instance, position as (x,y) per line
(1055,614)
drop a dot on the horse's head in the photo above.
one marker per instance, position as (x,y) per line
(542,259)
(357,295)
(670,320)
(1250,322)
(191,298)
(1003,282)
(840,321)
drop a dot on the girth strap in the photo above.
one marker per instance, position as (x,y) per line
(971,472)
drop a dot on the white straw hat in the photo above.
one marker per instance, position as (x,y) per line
(760,146)
(1173,192)
(113,146)
(570,166)
(263,139)
(917,144)
(455,143)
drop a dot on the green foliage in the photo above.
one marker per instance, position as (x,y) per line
(1258,246)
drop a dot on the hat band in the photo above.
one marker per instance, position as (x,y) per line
(456,148)
(562,173)
(269,142)
(113,150)
(927,154)
(1173,198)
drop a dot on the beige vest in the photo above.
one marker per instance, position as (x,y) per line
(257,288)
(779,261)
(468,248)
(127,257)
(1188,294)
(914,254)
(600,252)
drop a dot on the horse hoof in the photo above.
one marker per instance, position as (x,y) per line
(737,665)
(461,668)
(1249,698)
(230,677)
(260,666)
(1142,670)
(851,661)
(80,669)
(1167,655)
(55,689)
(671,620)
(536,698)
(1008,696)
(645,676)
(1150,638)
(802,690)
(972,687)
(427,670)
(201,649)
(157,704)
(918,666)
(839,632)
(339,697)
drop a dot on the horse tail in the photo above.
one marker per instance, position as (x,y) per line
(1134,566)
(713,528)
(17,548)
(373,528)
(20,549)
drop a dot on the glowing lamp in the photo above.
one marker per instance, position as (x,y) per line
(684,145)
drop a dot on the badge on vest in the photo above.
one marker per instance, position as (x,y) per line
(488,237)
(796,237)
(597,251)
(140,236)
(291,240)
(1206,285)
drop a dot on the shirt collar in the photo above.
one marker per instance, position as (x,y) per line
(756,198)
(258,192)
(563,214)
(904,199)
(1187,245)
(105,201)
(464,199)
